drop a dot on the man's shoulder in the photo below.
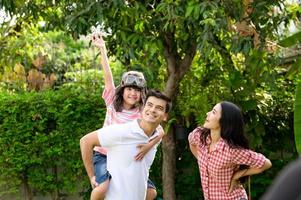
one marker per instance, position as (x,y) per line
(120,127)
(127,127)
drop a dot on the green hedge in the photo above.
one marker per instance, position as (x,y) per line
(39,139)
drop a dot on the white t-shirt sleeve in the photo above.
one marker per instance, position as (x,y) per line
(110,135)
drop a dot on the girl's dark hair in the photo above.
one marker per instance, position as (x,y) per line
(118,99)
(232,128)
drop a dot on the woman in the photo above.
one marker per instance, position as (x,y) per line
(123,104)
(223,153)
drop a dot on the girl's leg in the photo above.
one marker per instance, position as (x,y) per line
(102,176)
(151,194)
(99,192)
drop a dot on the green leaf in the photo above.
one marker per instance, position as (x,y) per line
(249,105)
(292,40)
(297,118)
(196,13)
(295,68)
(189,10)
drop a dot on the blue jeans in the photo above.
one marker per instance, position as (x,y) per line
(101,172)
(100,167)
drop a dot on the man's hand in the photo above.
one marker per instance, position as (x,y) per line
(93,182)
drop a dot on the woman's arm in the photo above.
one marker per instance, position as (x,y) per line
(98,41)
(194,140)
(248,172)
(194,150)
(252,171)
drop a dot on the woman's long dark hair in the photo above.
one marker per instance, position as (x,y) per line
(232,128)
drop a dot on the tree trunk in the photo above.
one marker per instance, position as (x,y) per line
(177,68)
(27,192)
(168,142)
(55,194)
(168,168)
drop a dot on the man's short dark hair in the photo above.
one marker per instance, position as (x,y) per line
(160,95)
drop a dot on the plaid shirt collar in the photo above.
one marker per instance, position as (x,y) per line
(221,144)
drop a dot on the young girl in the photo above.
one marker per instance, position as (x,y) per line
(123,105)
(223,153)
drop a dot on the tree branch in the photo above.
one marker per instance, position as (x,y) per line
(187,60)
(169,53)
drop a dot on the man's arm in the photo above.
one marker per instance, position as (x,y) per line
(87,144)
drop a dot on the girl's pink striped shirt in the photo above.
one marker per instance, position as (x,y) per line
(114,117)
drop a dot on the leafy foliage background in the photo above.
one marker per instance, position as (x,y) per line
(41,126)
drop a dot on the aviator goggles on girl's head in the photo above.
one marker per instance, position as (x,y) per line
(132,79)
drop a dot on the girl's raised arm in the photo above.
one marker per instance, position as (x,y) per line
(98,41)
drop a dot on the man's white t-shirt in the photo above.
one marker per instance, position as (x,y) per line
(129,177)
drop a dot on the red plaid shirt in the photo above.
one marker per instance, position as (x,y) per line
(217,167)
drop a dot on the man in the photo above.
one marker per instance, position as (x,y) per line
(128,176)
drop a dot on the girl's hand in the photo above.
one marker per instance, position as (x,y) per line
(143,149)
(97,40)
(160,131)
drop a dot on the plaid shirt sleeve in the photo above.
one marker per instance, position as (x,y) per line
(194,136)
(248,157)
